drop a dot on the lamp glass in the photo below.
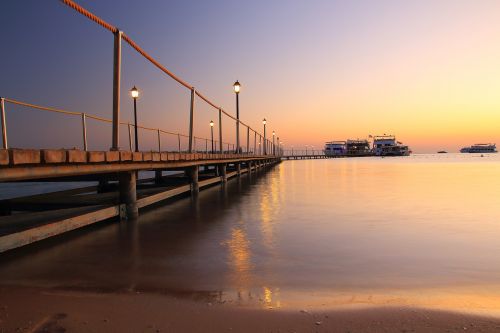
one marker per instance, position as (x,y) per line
(134,92)
(236,87)
(211,123)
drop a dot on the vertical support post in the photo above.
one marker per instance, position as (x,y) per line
(222,173)
(129,137)
(238,169)
(191,120)
(117,60)
(193,180)
(158,177)
(4,123)
(206,146)
(84,129)
(128,194)
(248,140)
(220,131)
(254,142)
(179,141)
(159,141)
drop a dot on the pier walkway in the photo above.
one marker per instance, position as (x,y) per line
(182,161)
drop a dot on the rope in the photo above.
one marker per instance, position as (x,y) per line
(91,116)
(13,101)
(134,45)
(154,62)
(89,15)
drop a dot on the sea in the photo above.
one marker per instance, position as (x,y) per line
(420,231)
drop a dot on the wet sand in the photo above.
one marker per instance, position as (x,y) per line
(50,310)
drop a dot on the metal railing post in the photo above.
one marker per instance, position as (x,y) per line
(248,140)
(84,128)
(254,142)
(206,145)
(191,119)
(159,141)
(220,131)
(129,137)
(179,141)
(117,60)
(4,123)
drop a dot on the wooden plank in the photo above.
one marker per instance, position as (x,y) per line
(18,239)
(162,196)
(206,182)
(40,171)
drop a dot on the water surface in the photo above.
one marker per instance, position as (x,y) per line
(421,230)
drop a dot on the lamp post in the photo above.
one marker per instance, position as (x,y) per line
(264,122)
(134,93)
(237,88)
(274,150)
(212,134)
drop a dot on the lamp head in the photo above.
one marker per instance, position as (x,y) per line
(237,87)
(264,121)
(134,92)
(211,123)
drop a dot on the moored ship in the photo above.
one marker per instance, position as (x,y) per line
(335,148)
(480,148)
(358,148)
(386,145)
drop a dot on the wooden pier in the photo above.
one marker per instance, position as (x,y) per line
(33,218)
(119,193)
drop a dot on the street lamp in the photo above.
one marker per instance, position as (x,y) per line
(237,88)
(134,93)
(274,150)
(212,134)
(265,122)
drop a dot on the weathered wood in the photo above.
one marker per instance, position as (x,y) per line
(21,238)
(128,194)
(152,199)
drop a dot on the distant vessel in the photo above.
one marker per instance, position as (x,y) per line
(442,152)
(358,148)
(386,145)
(480,148)
(335,148)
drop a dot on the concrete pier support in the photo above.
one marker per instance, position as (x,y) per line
(128,194)
(249,166)
(238,169)
(222,172)
(193,179)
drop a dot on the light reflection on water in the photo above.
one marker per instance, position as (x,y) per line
(422,230)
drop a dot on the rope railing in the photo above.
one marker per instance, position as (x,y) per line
(265,144)
(140,50)
(226,145)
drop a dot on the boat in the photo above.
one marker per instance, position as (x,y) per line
(442,152)
(480,148)
(386,145)
(358,148)
(335,148)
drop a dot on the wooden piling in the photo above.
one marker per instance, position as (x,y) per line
(222,172)
(193,179)
(128,194)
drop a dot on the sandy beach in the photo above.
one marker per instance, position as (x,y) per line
(50,310)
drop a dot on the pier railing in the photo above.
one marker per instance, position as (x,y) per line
(256,142)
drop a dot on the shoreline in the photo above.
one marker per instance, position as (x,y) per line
(50,310)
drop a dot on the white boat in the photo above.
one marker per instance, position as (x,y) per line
(480,148)
(386,145)
(335,148)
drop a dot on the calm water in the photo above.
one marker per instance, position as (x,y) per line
(422,230)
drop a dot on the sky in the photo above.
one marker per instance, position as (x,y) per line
(425,71)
